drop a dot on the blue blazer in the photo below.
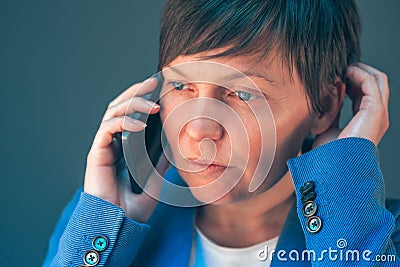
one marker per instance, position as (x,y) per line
(356,219)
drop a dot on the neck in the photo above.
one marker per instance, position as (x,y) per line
(248,222)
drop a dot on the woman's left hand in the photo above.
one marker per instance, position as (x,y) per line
(368,89)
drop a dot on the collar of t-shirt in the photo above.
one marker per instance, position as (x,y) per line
(206,253)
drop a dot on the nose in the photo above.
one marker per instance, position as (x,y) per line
(203,128)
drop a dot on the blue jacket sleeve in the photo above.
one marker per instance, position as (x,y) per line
(87,217)
(350,201)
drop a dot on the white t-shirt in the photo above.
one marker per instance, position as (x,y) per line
(206,253)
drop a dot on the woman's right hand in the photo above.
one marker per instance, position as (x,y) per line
(101,169)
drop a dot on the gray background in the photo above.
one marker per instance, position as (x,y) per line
(61,62)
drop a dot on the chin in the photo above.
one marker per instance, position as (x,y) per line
(205,198)
(215,197)
(218,189)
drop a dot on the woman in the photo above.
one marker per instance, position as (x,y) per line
(329,209)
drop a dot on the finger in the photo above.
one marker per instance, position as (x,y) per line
(367,83)
(137,89)
(104,135)
(129,106)
(381,79)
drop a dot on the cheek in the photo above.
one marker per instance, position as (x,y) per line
(168,104)
(261,151)
(170,128)
(255,142)
(284,138)
(291,128)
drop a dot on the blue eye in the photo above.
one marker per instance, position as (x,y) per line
(178,85)
(245,96)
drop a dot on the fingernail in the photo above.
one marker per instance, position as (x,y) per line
(149,80)
(152,104)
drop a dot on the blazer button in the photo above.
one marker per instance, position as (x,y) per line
(91,258)
(307,187)
(314,224)
(310,196)
(100,243)
(309,208)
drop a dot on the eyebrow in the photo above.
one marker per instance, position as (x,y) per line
(234,76)
(254,74)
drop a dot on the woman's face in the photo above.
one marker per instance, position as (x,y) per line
(216,132)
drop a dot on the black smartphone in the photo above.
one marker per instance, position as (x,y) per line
(143,149)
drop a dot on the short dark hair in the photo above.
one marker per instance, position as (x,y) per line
(319,37)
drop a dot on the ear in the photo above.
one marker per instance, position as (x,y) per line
(330,117)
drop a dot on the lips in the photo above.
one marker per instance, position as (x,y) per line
(206,167)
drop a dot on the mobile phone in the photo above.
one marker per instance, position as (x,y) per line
(143,149)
